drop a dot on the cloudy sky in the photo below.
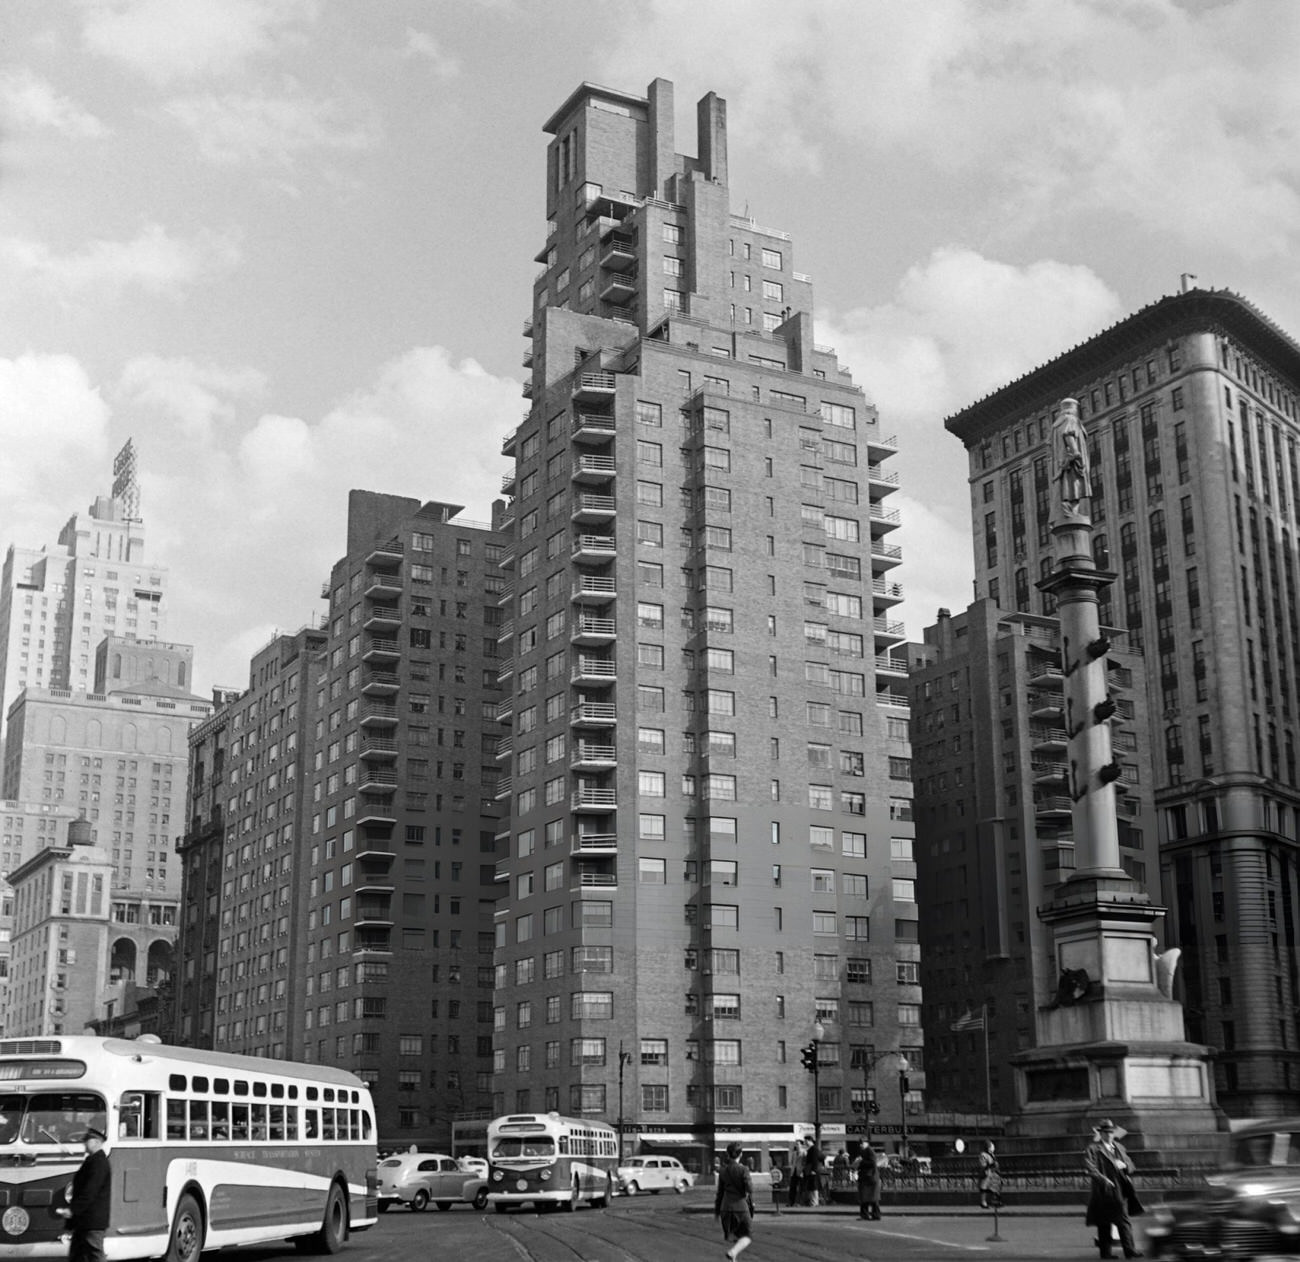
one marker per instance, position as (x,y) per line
(287,245)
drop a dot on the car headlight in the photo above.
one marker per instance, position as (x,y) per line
(546,1174)
(498,1175)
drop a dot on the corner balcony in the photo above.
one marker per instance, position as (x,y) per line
(588,757)
(619,290)
(505,747)
(1047,771)
(590,509)
(617,256)
(505,787)
(380,683)
(892,666)
(594,670)
(898,700)
(594,387)
(1046,675)
(593,800)
(506,631)
(887,632)
(378,714)
(376,779)
(597,880)
(376,850)
(506,594)
(593,549)
(509,443)
(1048,739)
(1045,705)
(884,594)
(593,844)
(376,942)
(881,480)
(505,710)
(593,714)
(382,586)
(593,469)
(593,589)
(386,556)
(586,629)
(379,649)
(508,482)
(376,812)
(885,555)
(373,911)
(507,558)
(1053,806)
(592,427)
(505,672)
(884,519)
(879,446)
(378,749)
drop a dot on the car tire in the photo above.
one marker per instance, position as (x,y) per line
(682,1185)
(419,1201)
(481,1199)
(633,1188)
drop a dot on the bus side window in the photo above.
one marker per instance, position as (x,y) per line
(239,1121)
(175,1119)
(198,1119)
(310,1128)
(276,1114)
(259,1121)
(220,1119)
(138,1114)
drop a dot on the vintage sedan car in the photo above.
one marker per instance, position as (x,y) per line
(416,1178)
(652,1174)
(1250,1208)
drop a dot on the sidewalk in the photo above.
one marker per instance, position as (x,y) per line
(911,1207)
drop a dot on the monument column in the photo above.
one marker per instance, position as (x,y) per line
(1110,1040)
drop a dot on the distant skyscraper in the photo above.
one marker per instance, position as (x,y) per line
(711,856)
(58,601)
(1191,411)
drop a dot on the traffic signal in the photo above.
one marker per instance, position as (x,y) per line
(808,1056)
(875,1106)
(903,1085)
(1110,772)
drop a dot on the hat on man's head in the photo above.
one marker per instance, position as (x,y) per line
(734,1149)
(93,1132)
(1105,1124)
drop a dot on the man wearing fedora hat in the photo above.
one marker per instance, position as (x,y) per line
(1112,1199)
(87,1209)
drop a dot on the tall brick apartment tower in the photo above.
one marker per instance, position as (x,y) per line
(710,846)
(340,876)
(1190,407)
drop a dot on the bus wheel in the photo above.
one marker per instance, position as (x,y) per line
(419,1200)
(572,1203)
(480,1199)
(602,1201)
(186,1241)
(333,1228)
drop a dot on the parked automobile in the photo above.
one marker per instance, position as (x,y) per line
(475,1165)
(1250,1208)
(652,1174)
(416,1178)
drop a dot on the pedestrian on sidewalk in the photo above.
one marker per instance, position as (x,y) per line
(990,1177)
(814,1175)
(1113,1199)
(796,1173)
(868,1173)
(733,1205)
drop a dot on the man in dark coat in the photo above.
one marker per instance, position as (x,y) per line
(734,1202)
(868,1184)
(87,1210)
(1112,1199)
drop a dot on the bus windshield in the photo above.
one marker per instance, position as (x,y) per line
(49,1117)
(524,1146)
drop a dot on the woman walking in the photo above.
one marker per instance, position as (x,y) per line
(990,1177)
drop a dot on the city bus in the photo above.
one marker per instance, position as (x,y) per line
(552,1161)
(207,1149)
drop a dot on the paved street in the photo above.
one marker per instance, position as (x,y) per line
(670,1228)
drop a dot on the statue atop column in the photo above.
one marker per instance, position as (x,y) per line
(1070,466)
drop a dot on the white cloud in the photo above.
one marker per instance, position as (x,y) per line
(166,40)
(29,102)
(250,513)
(53,434)
(1178,122)
(959,326)
(421,44)
(199,398)
(153,260)
(258,126)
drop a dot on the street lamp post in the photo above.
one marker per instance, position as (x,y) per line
(623,1059)
(903,1066)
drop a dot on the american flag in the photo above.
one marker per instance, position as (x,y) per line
(971,1021)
